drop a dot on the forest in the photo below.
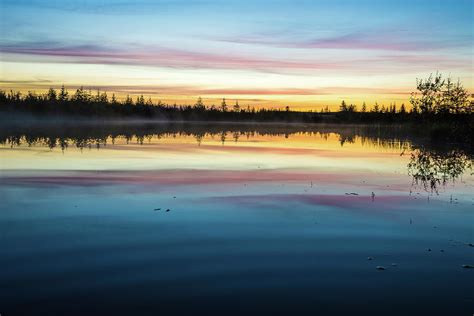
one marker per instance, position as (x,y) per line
(435,100)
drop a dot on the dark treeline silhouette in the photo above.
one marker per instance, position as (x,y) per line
(436,100)
(83,104)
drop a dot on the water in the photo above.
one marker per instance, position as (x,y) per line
(262,220)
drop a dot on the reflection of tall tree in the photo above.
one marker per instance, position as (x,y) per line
(84,135)
(223,137)
(430,168)
(236,136)
(346,139)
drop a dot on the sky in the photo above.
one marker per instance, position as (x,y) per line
(305,54)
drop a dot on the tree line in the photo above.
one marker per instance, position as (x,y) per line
(435,99)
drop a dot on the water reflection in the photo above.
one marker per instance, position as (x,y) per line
(94,135)
(431,163)
(431,169)
(256,211)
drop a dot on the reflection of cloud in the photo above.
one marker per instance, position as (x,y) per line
(332,200)
(151,180)
(163,178)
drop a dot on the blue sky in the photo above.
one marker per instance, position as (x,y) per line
(304,53)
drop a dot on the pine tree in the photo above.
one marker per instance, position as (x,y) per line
(128,100)
(376,108)
(199,104)
(140,101)
(63,94)
(236,106)
(224,105)
(51,95)
(343,107)
(402,109)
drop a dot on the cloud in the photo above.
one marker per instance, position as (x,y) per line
(190,90)
(195,90)
(30,82)
(367,42)
(381,40)
(110,7)
(161,57)
(166,57)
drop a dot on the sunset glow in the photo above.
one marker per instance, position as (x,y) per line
(306,54)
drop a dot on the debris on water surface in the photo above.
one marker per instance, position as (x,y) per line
(157,209)
(441,250)
(167,210)
(470,245)
(467,266)
(394,264)
(370,258)
(380,267)
(429,249)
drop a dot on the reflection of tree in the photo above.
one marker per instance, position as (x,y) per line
(430,168)
(223,136)
(393,137)
(236,136)
(199,138)
(346,139)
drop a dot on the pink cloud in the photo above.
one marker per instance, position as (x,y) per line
(157,56)
(383,40)
(164,57)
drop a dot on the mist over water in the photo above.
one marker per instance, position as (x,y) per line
(231,219)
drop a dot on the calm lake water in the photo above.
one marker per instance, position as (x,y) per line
(290,220)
